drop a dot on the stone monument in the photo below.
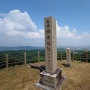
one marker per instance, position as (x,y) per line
(68,56)
(50,44)
(51,78)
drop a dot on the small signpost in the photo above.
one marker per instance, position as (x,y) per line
(24,58)
(61,56)
(86,55)
(51,78)
(38,56)
(72,56)
(68,56)
(7,61)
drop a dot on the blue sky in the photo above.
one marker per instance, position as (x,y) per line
(21,22)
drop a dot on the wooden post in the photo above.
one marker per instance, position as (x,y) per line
(7,61)
(38,56)
(24,58)
(72,56)
(61,55)
(86,55)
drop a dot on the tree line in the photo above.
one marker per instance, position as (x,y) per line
(17,57)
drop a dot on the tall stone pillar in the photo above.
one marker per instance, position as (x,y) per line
(38,56)
(50,44)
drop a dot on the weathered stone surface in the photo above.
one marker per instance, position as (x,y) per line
(50,44)
(51,80)
(58,87)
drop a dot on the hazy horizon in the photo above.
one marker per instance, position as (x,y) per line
(44,46)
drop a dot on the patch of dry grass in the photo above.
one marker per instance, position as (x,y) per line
(78,76)
(24,78)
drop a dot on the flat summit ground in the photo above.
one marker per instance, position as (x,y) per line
(24,78)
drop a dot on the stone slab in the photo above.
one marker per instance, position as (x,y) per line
(43,86)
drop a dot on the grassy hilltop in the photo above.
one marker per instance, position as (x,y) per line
(24,78)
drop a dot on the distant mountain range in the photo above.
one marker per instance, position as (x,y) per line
(75,47)
(6,48)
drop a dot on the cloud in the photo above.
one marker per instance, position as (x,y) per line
(16,23)
(64,32)
(17,28)
(65,36)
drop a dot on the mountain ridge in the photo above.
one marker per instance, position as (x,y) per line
(7,48)
(10,48)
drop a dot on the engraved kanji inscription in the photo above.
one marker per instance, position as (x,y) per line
(48,43)
(48,31)
(48,48)
(48,37)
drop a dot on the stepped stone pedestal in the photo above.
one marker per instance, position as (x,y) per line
(52,80)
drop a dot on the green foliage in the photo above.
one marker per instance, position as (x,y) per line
(17,57)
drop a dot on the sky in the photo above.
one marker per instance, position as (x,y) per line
(22,22)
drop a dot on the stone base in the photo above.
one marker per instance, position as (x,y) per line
(44,87)
(51,81)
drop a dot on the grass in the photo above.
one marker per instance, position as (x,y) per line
(24,78)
